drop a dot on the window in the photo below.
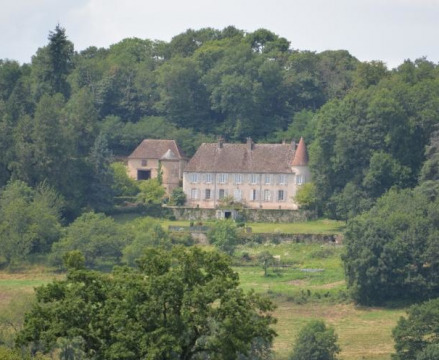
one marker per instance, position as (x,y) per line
(253,195)
(300,179)
(208,178)
(280,195)
(282,179)
(267,195)
(221,194)
(267,179)
(194,177)
(237,195)
(194,193)
(207,194)
(144,162)
(238,178)
(254,178)
(222,178)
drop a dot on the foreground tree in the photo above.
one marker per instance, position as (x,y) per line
(182,304)
(315,341)
(417,335)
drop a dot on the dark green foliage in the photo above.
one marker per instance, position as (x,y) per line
(369,125)
(29,220)
(417,335)
(392,252)
(178,197)
(101,181)
(315,341)
(183,304)
(374,139)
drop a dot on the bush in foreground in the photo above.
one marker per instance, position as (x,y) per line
(315,341)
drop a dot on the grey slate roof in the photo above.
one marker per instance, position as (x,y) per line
(232,158)
(157,149)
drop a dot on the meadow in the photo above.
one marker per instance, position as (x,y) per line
(306,282)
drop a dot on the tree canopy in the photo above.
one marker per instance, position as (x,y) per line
(182,304)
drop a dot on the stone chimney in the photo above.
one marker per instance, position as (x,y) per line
(293,144)
(249,143)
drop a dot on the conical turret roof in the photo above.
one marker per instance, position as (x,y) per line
(301,154)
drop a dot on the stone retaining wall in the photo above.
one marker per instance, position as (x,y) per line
(247,215)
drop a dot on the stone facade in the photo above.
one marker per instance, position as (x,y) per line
(259,176)
(152,156)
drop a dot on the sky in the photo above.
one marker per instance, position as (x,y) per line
(387,30)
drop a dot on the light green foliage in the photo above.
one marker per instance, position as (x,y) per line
(144,233)
(266,259)
(9,354)
(316,341)
(12,319)
(151,192)
(431,352)
(391,251)
(97,237)
(224,235)
(306,196)
(123,184)
(182,304)
(417,335)
(29,220)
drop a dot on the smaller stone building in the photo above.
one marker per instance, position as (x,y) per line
(152,156)
(260,176)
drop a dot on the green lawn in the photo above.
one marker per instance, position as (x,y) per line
(364,333)
(322,226)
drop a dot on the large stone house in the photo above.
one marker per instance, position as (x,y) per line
(263,176)
(152,156)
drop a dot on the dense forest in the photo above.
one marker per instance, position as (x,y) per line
(367,125)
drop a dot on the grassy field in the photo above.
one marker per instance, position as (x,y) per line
(322,226)
(308,283)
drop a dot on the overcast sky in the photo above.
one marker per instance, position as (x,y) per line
(387,30)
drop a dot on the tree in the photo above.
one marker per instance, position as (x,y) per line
(151,192)
(144,233)
(266,259)
(29,220)
(178,197)
(123,185)
(417,335)
(391,250)
(100,195)
(315,341)
(99,238)
(306,196)
(61,60)
(182,304)
(224,236)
